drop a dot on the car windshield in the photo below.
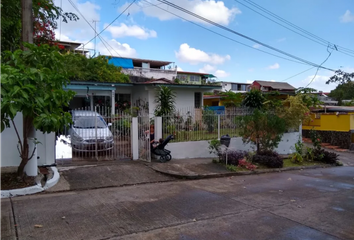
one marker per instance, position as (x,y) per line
(89,122)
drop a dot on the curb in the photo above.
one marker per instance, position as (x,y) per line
(32,189)
(228,174)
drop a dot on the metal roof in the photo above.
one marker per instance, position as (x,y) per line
(276,85)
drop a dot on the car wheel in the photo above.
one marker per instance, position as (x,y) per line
(162,159)
(168,157)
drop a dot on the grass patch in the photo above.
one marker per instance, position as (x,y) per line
(289,163)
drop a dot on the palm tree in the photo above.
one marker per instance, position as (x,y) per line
(165,100)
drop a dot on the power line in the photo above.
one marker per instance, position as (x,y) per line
(242,35)
(312,37)
(103,41)
(112,21)
(298,74)
(223,35)
(329,54)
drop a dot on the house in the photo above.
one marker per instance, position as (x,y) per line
(145,68)
(235,87)
(270,86)
(335,125)
(146,76)
(194,77)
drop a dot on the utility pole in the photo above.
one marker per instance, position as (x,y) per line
(95,21)
(29,132)
(27,22)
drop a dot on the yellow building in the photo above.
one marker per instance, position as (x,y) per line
(334,124)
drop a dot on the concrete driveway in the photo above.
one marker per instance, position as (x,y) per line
(307,204)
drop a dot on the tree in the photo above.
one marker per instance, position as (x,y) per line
(254,99)
(295,111)
(309,97)
(81,68)
(344,91)
(45,16)
(32,83)
(263,128)
(231,99)
(341,77)
(165,100)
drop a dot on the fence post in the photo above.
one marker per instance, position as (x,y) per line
(135,138)
(218,126)
(158,128)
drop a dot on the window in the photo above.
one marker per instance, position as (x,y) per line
(182,77)
(234,86)
(197,100)
(243,87)
(194,78)
(146,65)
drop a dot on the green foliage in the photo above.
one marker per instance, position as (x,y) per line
(165,100)
(263,128)
(341,77)
(309,97)
(272,101)
(343,91)
(297,156)
(316,139)
(214,146)
(231,99)
(32,83)
(296,111)
(254,99)
(81,68)
(210,119)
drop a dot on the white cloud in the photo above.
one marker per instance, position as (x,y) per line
(131,31)
(318,82)
(249,81)
(274,66)
(221,73)
(179,69)
(213,10)
(207,69)
(281,39)
(120,49)
(196,56)
(347,17)
(257,45)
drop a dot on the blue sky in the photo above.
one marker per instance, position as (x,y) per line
(145,31)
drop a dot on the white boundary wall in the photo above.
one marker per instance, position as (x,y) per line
(10,156)
(199,149)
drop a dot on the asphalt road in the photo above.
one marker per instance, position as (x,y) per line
(307,204)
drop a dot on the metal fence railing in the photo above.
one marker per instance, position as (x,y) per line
(201,124)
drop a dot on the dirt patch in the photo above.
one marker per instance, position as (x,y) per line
(9,181)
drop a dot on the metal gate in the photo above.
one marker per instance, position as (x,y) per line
(95,135)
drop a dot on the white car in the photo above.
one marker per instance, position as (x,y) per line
(88,129)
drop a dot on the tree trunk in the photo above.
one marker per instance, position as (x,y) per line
(28,132)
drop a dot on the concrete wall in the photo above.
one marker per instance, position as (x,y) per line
(199,149)
(330,122)
(151,73)
(9,153)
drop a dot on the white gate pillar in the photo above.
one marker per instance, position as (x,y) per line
(158,128)
(113,104)
(135,138)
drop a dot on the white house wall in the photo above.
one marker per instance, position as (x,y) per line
(139,93)
(151,73)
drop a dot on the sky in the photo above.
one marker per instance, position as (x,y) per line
(150,29)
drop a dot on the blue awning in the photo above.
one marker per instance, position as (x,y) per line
(121,62)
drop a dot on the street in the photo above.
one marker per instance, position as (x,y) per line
(301,204)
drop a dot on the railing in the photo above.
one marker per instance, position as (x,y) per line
(151,72)
(202,124)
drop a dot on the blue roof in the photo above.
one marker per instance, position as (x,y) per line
(121,62)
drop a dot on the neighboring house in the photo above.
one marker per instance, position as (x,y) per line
(269,86)
(73,47)
(323,97)
(235,87)
(335,125)
(194,78)
(145,68)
